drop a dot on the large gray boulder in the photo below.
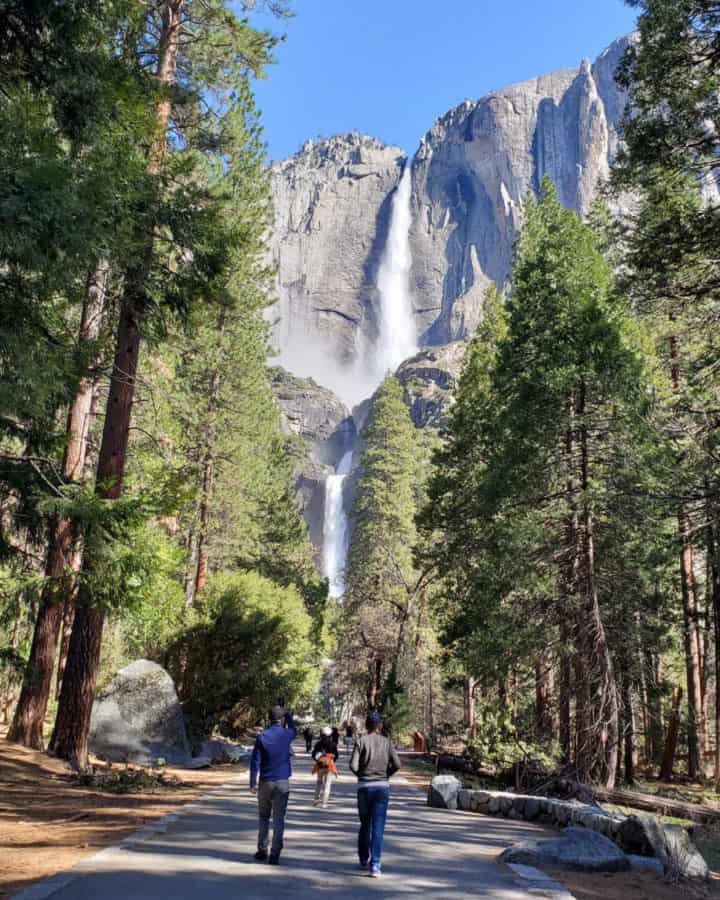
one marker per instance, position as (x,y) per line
(576,848)
(137,718)
(671,844)
(443,792)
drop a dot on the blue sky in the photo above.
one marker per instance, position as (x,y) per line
(391,67)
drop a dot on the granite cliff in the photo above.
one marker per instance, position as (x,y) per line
(470,175)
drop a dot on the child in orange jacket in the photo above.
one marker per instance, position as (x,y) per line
(325,754)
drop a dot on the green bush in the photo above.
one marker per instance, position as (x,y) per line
(252,643)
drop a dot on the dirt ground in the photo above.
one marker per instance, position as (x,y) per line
(630,886)
(48,823)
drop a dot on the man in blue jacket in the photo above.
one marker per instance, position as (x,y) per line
(271,759)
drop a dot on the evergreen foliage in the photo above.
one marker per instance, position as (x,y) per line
(251,644)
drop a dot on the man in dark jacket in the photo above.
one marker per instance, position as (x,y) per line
(374,760)
(307,733)
(271,760)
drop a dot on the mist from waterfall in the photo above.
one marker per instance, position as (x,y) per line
(397,338)
(335,528)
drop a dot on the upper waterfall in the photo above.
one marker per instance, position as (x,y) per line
(397,338)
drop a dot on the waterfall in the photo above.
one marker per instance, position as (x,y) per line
(397,339)
(335,528)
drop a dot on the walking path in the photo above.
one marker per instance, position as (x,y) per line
(206,852)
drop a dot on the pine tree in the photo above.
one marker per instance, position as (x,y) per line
(670,160)
(383,586)
(521,501)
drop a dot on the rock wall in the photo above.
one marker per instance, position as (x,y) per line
(325,430)
(470,176)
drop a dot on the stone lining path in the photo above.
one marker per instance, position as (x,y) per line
(206,852)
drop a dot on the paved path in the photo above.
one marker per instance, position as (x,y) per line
(206,852)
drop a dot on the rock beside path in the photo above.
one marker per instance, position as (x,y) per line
(137,718)
(671,844)
(444,791)
(219,751)
(576,848)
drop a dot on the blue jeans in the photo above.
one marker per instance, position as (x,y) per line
(372,807)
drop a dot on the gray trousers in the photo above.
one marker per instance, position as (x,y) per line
(272,801)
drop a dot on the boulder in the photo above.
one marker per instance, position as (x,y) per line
(444,791)
(672,845)
(137,718)
(646,864)
(220,752)
(576,848)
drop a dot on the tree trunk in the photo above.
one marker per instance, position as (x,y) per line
(202,559)
(190,578)
(565,694)
(693,655)
(11,684)
(374,683)
(668,761)
(629,749)
(714,604)
(208,479)
(70,738)
(653,680)
(65,633)
(695,725)
(29,720)
(543,699)
(469,703)
(600,759)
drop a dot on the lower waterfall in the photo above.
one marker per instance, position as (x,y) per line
(335,528)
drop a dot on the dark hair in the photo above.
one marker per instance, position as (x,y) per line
(373,720)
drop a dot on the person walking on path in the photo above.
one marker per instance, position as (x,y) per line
(271,761)
(349,736)
(307,733)
(325,754)
(335,735)
(374,761)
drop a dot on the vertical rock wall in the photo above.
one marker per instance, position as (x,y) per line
(471,173)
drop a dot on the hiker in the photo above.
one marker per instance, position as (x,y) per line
(335,735)
(374,760)
(349,737)
(325,754)
(307,733)
(271,760)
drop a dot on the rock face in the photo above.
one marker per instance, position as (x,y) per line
(138,718)
(429,379)
(470,176)
(325,431)
(332,203)
(316,414)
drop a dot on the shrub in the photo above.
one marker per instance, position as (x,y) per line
(251,644)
